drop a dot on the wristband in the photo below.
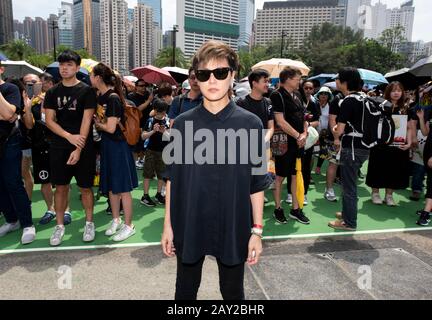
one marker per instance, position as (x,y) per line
(258,226)
(257,231)
(254,233)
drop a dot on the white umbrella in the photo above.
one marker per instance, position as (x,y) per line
(177,73)
(275,66)
(19,69)
(422,68)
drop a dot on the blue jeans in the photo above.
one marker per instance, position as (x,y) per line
(349,176)
(14,201)
(418,176)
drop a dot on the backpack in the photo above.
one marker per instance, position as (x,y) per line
(377,123)
(130,125)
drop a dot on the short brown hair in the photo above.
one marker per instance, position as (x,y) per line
(165,89)
(215,50)
(289,73)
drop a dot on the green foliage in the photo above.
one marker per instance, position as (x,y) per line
(391,38)
(328,48)
(17,50)
(164,58)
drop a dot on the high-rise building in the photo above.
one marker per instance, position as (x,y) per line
(156,5)
(53,31)
(65,24)
(114,34)
(131,13)
(358,14)
(86,26)
(29,32)
(143,36)
(246,19)
(6,21)
(200,21)
(40,40)
(18,29)
(427,51)
(167,39)
(383,18)
(296,18)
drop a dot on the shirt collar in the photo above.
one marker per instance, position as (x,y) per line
(223,115)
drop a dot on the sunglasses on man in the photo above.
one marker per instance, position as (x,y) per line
(219,74)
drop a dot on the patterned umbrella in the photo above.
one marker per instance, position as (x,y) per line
(88,64)
(154,75)
(275,66)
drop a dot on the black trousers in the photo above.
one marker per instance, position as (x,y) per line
(231,280)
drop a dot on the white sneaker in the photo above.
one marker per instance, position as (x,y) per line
(376,199)
(29,235)
(8,228)
(114,227)
(390,201)
(57,236)
(289,199)
(139,164)
(330,195)
(89,232)
(124,233)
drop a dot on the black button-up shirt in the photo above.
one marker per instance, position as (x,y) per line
(211,211)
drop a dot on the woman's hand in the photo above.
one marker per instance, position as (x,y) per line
(168,242)
(255,250)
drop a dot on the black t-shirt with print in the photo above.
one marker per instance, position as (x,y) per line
(335,110)
(112,107)
(70,118)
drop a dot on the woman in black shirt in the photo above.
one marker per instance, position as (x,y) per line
(118,174)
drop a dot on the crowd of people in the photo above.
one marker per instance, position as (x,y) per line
(51,133)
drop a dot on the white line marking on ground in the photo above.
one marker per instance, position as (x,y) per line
(153,244)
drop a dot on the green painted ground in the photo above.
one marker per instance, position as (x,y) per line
(149,221)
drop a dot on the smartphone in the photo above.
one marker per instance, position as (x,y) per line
(30,90)
(33,90)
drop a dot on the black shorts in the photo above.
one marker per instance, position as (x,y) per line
(286,165)
(83,172)
(41,166)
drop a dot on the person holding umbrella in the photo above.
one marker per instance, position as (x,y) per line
(290,116)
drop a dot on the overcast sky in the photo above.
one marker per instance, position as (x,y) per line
(43,8)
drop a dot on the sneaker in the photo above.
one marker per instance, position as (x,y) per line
(147,201)
(67,218)
(139,164)
(29,235)
(8,228)
(299,216)
(289,199)
(89,232)
(160,198)
(389,201)
(57,236)
(424,219)
(330,195)
(124,233)
(114,227)
(47,218)
(376,199)
(280,216)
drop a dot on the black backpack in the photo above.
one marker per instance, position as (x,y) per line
(377,123)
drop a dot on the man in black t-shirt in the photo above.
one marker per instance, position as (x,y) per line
(256,103)
(290,117)
(142,98)
(70,107)
(14,201)
(353,154)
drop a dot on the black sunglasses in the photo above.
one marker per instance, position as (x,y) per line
(219,74)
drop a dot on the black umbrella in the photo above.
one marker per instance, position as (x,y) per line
(404,76)
(53,69)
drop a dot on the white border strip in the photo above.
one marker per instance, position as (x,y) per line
(153,244)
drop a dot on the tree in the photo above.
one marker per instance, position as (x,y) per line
(165,57)
(17,50)
(392,38)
